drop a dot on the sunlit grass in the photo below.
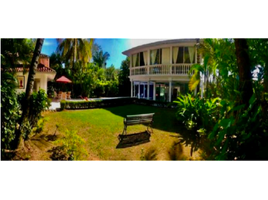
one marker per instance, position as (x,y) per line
(100,129)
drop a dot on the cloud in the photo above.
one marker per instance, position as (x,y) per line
(48,43)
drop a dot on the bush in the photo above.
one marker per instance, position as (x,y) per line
(111,102)
(9,110)
(95,104)
(70,147)
(241,132)
(38,103)
(196,113)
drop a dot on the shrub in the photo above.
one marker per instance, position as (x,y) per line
(9,110)
(70,147)
(38,103)
(241,132)
(196,113)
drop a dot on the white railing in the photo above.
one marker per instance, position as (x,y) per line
(138,70)
(179,69)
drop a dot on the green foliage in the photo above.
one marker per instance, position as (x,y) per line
(240,133)
(14,51)
(72,146)
(124,82)
(94,104)
(40,125)
(74,49)
(9,109)
(100,58)
(38,103)
(197,113)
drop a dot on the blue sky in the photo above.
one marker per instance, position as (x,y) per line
(114,47)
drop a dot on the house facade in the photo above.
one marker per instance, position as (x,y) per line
(43,74)
(159,71)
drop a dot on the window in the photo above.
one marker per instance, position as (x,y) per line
(138,59)
(156,56)
(183,55)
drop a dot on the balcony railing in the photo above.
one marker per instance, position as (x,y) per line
(178,69)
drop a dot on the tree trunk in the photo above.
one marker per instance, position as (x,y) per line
(32,69)
(243,62)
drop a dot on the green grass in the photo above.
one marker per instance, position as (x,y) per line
(100,129)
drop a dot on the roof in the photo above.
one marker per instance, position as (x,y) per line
(40,68)
(127,52)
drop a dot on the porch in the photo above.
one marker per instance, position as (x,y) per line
(160,90)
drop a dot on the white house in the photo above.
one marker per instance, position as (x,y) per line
(43,74)
(159,71)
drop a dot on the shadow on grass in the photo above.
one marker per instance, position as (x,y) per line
(176,152)
(150,154)
(189,138)
(135,139)
(164,118)
(58,153)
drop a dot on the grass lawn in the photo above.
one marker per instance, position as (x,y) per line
(100,129)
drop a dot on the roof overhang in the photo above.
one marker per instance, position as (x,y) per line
(159,43)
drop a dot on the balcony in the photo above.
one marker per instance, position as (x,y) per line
(161,69)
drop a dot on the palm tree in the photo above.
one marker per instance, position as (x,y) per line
(73,50)
(32,69)
(99,57)
(206,69)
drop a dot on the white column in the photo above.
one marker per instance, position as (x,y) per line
(139,90)
(130,60)
(131,88)
(170,59)
(148,60)
(134,94)
(169,90)
(148,90)
(195,54)
(154,91)
(143,90)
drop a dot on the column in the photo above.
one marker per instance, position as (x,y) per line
(169,90)
(134,94)
(130,61)
(195,54)
(148,60)
(130,65)
(131,90)
(170,59)
(154,92)
(139,90)
(148,90)
(143,90)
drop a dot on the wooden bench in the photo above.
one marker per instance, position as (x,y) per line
(145,119)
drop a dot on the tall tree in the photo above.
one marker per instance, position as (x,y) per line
(124,82)
(243,62)
(75,49)
(100,58)
(29,87)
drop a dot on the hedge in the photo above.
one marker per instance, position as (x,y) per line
(73,105)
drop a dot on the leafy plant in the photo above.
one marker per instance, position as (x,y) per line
(9,110)
(240,133)
(38,103)
(196,113)
(71,145)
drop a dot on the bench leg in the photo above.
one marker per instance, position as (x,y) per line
(125,130)
(124,133)
(150,126)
